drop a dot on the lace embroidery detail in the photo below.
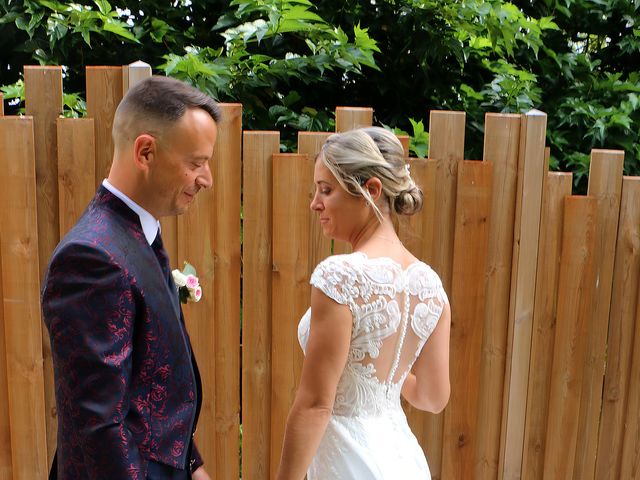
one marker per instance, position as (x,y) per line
(389,304)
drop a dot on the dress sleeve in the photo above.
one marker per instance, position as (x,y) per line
(336,279)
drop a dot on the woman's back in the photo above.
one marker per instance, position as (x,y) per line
(394,310)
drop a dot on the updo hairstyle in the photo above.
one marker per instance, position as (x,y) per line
(355,156)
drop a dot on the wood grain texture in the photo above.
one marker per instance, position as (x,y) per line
(258,149)
(605,185)
(348,118)
(21,299)
(556,188)
(133,74)
(76,169)
(501,145)
(310,143)
(446,148)
(6,471)
(473,207)
(104,92)
(619,388)
(575,304)
(292,180)
(43,101)
(209,238)
(532,169)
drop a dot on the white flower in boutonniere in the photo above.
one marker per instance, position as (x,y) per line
(189,289)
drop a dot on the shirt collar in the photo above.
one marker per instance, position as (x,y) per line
(150,225)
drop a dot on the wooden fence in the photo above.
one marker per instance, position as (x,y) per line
(544,287)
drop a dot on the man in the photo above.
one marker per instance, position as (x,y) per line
(128,391)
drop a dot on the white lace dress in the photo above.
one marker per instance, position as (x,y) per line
(394,312)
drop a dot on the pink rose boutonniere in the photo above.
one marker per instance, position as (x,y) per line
(189,289)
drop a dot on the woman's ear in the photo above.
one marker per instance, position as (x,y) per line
(374,187)
(144,151)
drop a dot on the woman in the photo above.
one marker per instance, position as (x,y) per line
(378,325)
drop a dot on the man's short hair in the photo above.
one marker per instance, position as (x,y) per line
(157,102)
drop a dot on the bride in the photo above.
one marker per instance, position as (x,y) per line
(378,326)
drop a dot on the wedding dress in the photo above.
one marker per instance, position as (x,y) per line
(394,311)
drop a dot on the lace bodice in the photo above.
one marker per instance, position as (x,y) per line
(394,311)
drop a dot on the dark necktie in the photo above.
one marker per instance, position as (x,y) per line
(163,259)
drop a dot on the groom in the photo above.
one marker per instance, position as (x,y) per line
(128,392)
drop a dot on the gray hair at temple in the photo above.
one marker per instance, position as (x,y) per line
(355,156)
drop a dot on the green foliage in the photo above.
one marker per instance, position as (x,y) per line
(290,62)
(272,50)
(419,141)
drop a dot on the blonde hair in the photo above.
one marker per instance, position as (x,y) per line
(355,156)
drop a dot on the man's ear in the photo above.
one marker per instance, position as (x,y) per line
(144,150)
(374,187)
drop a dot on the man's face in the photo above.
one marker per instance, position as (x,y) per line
(181,166)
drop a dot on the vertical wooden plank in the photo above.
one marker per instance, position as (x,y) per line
(446,148)
(416,232)
(132,74)
(630,463)
(104,92)
(21,301)
(292,179)
(404,140)
(501,144)
(605,185)
(76,164)
(473,207)
(43,101)
(575,300)
(310,143)
(258,148)
(6,472)
(209,239)
(557,187)
(1,104)
(622,329)
(348,118)
(531,172)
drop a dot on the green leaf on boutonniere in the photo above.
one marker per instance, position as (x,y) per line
(189,269)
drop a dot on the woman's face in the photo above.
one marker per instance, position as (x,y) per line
(341,214)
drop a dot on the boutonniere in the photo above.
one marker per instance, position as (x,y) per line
(189,289)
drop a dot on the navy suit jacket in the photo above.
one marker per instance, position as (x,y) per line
(127,386)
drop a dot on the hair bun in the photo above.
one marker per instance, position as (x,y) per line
(408,201)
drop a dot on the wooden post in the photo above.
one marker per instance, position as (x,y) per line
(631,439)
(76,164)
(557,187)
(605,185)
(619,384)
(21,295)
(501,144)
(43,101)
(446,148)
(258,148)
(310,143)
(575,300)
(6,472)
(104,92)
(292,180)
(348,118)
(209,238)
(416,232)
(134,73)
(473,207)
(1,105)
(531,172)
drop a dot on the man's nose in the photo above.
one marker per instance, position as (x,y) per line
(205,179)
